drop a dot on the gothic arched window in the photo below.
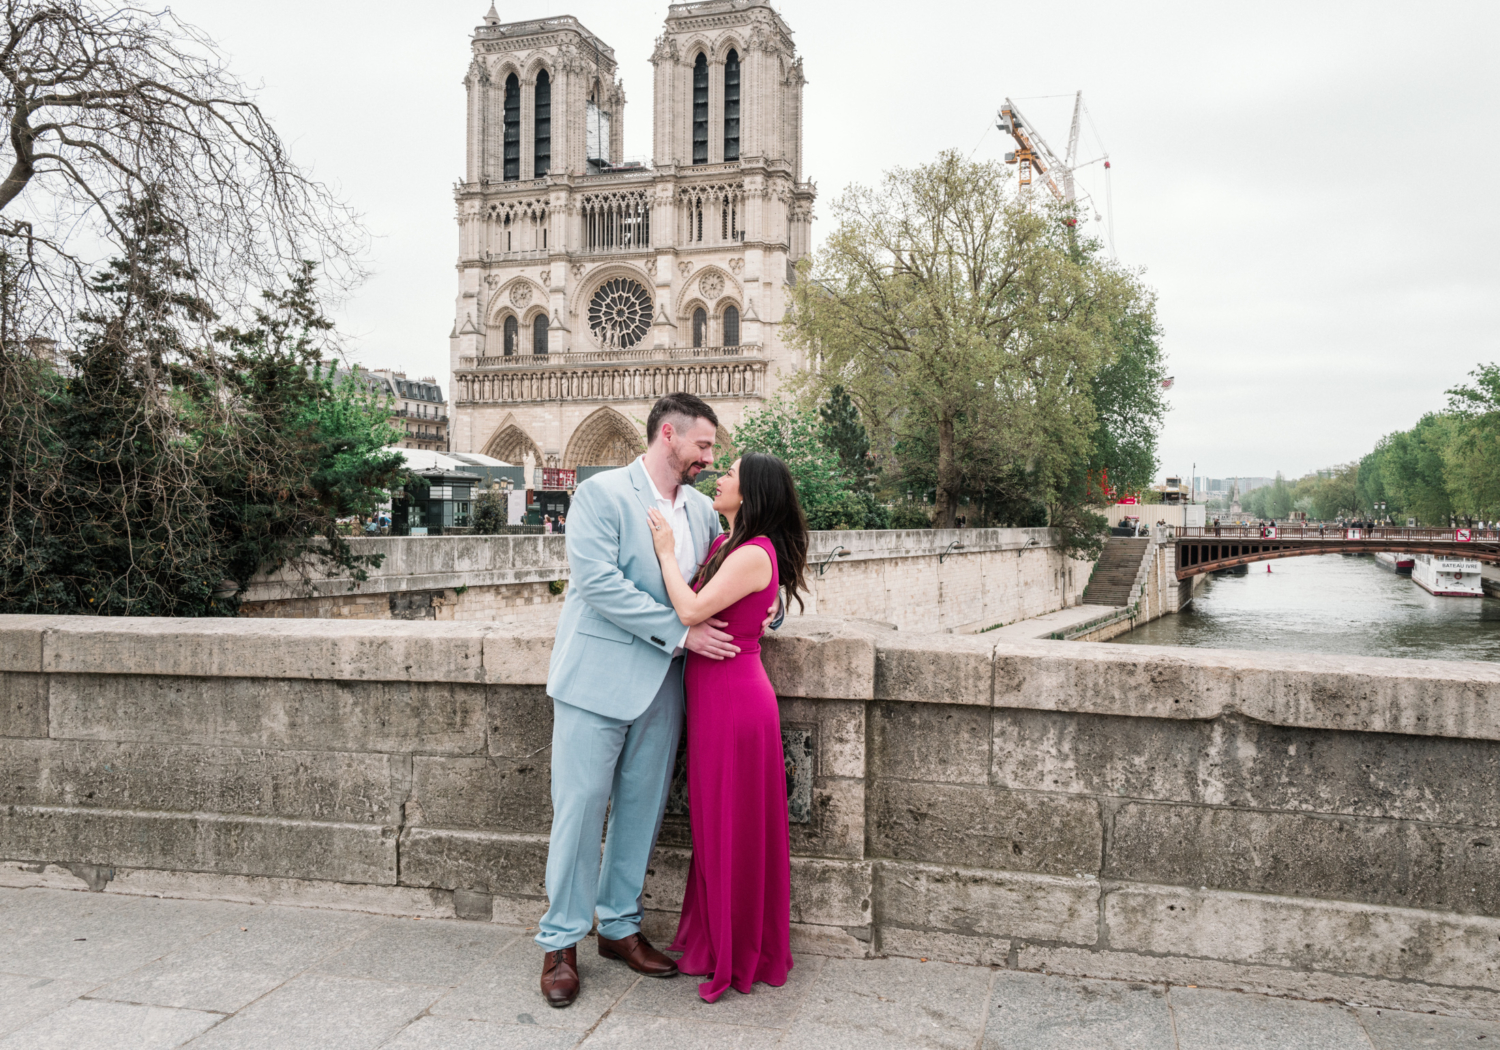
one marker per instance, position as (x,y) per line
(542,126)
(700,110)
(512,128)
(539,334)
(731,326)
(700,326)
(732,106)
(511,331)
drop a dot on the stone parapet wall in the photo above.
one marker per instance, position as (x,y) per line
(955,580)
(1318,826)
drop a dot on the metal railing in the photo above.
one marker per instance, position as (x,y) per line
(1334,531)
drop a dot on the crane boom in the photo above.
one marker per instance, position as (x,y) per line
(1033,150)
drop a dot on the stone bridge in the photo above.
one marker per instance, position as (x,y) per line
(1313,826)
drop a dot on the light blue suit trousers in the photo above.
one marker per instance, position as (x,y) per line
(627,765)
(616,705)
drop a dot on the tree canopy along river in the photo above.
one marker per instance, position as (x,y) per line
(1330,604)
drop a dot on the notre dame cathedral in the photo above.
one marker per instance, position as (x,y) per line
(591,283)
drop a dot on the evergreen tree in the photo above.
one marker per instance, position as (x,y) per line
(845,434)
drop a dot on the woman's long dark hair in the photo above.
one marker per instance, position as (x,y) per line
(770,509)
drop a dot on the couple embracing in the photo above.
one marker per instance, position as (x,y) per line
(665,613)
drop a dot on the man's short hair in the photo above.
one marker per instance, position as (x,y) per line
(685,405)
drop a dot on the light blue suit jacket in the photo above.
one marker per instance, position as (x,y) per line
(618,630)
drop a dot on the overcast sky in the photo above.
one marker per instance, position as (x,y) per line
(1308,186)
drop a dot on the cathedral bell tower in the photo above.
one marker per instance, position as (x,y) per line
(589,283)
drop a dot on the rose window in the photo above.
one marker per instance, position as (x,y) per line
(620,313)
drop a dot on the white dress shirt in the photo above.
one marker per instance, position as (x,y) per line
(675,511)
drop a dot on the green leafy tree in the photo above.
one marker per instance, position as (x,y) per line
(967,325)
(828,496)
(1129,402)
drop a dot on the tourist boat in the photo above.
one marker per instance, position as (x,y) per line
(1398,563)
(1448,577)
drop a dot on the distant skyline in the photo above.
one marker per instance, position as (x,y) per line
(1302,183)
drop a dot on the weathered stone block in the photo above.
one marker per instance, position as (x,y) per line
(21,641)
(982,827)
(1445,698)
(1400,863)
(988,904)
(821,658)
(487,794)
(934,668)
(836,827)
(298,849)
(311,785)
(832,892)
(840,742)
(442,717)
(520,721)
(939,743)
(824,892)
(1233,761)
(973,950)
(23,703)
(1395,943)
(483,861)
(342,650)
(519,654)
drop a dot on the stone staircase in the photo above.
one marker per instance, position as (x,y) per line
(1119,572)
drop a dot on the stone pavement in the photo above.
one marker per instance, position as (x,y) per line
(80,971)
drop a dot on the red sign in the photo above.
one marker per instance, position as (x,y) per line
(1271,533)
(1463,535)
(1128,501)
(558,480)
(1355,534)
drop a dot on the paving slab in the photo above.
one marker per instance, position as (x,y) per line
(1214,1020)
(97,936)
(1393,1030)
(1038,1012)
(421,951)
(507,988)
(24,999)
(86,1025)
(445,1033)
(903,1004)
(764,1007)
(239,963)
(321,1012)
(633,1031)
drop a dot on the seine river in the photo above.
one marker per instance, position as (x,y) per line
(1330,604)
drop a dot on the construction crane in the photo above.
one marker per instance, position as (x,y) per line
(1033,153)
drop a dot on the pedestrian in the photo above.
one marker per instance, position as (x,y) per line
(547,523)
(1216,527)
(562,523)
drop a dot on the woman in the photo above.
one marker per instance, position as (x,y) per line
(736,911)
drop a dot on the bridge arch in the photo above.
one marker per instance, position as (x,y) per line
(1200,554)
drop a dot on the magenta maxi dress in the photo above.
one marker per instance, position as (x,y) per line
(736,912)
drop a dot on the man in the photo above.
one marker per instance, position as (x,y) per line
(616,687)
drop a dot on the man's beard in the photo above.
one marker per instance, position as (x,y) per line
(688,477)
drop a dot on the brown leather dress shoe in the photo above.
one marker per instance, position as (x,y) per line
(560,977)
(636,952)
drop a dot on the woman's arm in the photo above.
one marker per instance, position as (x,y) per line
(745,571)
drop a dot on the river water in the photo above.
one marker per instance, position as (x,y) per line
(1330,604)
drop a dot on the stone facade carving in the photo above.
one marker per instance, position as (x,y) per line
(634,250)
